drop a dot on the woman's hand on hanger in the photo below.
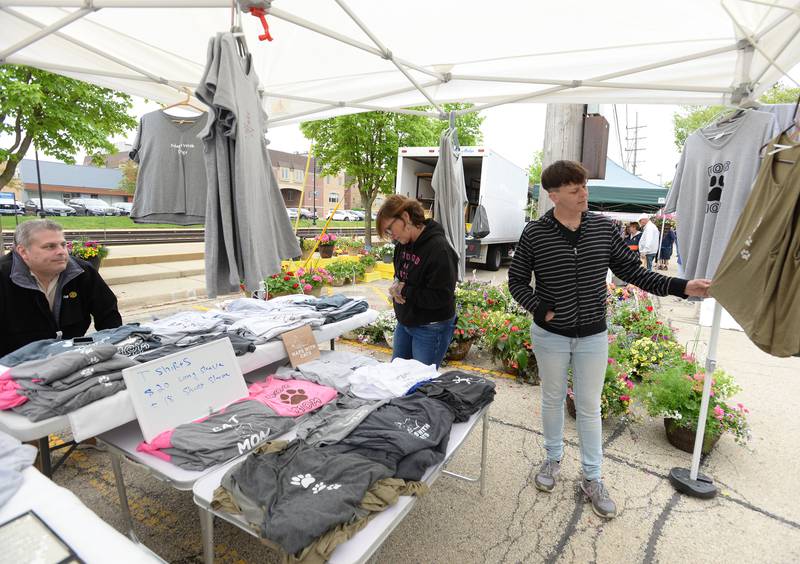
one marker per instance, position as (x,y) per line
(698,287)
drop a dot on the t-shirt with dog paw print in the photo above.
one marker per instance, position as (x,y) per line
(711,186)
(291,397)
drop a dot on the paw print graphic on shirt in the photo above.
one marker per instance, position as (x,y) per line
(293,397)
(716,183)
(304,480)
(322,486)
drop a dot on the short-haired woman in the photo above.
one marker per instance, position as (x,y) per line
(426,271)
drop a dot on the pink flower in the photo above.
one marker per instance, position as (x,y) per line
(612,361)
(514,328)
(719,413)
(307,288)
(624,398)
(300,271)
(316,278)
(629,384)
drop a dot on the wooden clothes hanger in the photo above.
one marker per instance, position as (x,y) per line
(186,103)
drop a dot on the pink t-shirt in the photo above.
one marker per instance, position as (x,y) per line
(291,397)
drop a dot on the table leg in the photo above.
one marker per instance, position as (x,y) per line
(484,443)
(207,532)
(123,495)
(44,456)
(332,344)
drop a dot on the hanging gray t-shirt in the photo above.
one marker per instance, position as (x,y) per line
(711,186)
(784,113)
(171,184)
(248,231)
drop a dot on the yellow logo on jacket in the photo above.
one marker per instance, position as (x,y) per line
(72,294)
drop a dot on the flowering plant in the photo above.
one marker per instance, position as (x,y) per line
(356,244)
(311,278)
(386,321)
(342,269)
(87,249)
(326,239)
(367,260)
(676,391)
(507,337)
(475,293)
(386,250)
(616,397)
(282,283)
(468,325)
(647,354)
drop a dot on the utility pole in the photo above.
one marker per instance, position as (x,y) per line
(563,140)
(636,138)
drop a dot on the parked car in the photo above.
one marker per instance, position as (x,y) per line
(51,207)
(306,214)
(292,213)
(343,215)
(17,208)
(358,213)
(123,207)
(92,206)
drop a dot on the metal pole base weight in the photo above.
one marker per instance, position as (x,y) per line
(703,487)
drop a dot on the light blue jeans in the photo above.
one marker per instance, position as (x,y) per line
(588,357)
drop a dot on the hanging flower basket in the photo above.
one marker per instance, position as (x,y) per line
(325,251)
(683,437)
(458,350)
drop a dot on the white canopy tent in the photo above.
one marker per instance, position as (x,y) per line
(334,57)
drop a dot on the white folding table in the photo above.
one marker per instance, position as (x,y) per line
(112,412)
(363,544)
(92,539)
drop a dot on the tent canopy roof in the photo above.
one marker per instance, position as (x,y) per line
(621,190)
(330,58)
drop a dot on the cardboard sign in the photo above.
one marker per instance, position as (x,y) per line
(184,386)
(301,345)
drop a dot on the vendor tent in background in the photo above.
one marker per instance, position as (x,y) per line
(622,191)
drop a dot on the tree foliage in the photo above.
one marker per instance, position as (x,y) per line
(60,115)
(691,118)
(535,169)
(130,171)
(364,146)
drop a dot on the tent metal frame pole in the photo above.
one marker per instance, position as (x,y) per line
(98,52)
(782,48)
(65,21)
(387,54)
(773,5)
(65,68)
(595,84)
(286,16)
(754,42)
(578,83)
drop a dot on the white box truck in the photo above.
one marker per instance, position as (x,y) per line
(493,182)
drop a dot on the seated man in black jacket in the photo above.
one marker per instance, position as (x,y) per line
(45,293)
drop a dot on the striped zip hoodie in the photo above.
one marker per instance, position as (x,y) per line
(571,280)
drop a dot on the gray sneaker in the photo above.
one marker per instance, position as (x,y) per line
(597,493)
(545,479)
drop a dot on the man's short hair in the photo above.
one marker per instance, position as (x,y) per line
(561,173)
(25,231)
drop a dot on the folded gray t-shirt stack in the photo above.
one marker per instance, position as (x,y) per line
(407,435)
(296,495)
(335,420)
(332,369)
(63,383)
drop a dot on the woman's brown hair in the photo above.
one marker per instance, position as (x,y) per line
(393,207)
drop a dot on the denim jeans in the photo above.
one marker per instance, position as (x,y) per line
(650,260)
(425,343)
(588,357)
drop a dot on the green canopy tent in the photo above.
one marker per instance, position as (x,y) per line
(622,191)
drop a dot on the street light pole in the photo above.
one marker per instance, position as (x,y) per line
(41,214)
(314,164)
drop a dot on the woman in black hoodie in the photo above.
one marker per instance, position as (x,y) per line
(425,271)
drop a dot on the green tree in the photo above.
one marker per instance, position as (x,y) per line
(364,146)
(130,171)
(60,115)
(691,118)
(535,170)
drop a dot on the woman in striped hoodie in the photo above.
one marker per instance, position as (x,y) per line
(569,251)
